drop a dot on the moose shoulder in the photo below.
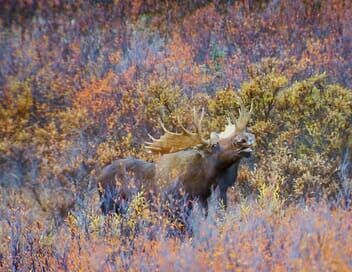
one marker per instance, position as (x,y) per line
(188,162)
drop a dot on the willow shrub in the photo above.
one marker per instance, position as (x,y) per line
(302,129)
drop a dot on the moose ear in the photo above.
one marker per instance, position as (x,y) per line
(214,137)
(249,129)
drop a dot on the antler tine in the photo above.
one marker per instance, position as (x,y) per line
(152,138)
(251,108)
(183,128)
(152,148)
(165,129)
(199,126)
(230,118)
(195,118)
(197,121)
(244,115)
(242,108)
(201,119)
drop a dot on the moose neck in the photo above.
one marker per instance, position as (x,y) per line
(224,160)
(224,164)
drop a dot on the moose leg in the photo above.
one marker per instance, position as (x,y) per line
(225,181)
(110,187)
(108,200)
(223,196)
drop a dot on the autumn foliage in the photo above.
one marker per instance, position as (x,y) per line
(83,82)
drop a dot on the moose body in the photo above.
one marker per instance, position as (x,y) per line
(189,171)
(122,178)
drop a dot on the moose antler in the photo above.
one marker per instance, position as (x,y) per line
(172,141)
(237,125)
(242,121)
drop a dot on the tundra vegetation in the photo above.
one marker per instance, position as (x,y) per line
(84,82)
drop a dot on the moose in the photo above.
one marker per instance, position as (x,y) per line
(188,164)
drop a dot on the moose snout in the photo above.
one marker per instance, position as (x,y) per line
(245,140)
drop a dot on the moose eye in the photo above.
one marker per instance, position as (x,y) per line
(215,146)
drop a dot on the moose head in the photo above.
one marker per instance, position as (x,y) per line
(198,162)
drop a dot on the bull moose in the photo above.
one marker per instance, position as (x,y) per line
(188,163)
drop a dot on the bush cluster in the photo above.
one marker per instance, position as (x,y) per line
(83,83)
